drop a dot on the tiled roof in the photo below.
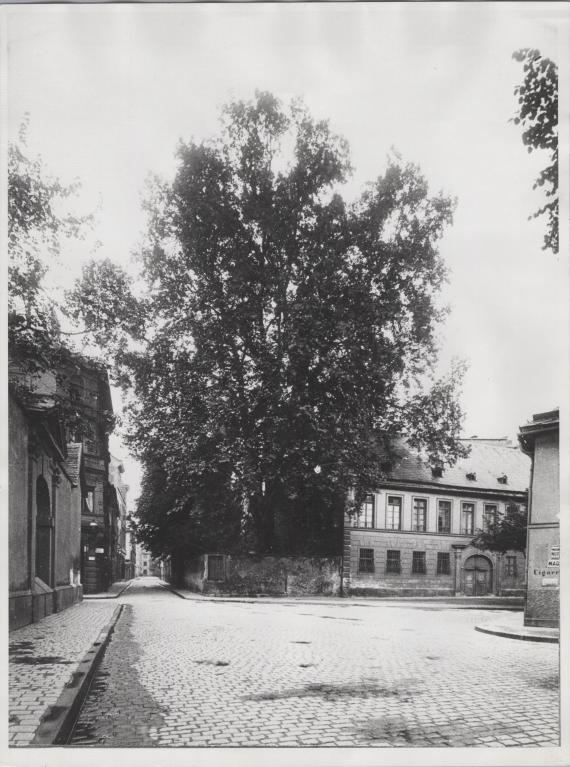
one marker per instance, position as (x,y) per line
(487,461)
(73,462)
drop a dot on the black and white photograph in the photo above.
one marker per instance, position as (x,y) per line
(287,364)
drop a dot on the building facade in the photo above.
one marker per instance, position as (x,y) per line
(540,440)
(90,394)
(120,540)
(413,536)
(44,510)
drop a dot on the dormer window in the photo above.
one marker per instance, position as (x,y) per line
(437,471)
(502,479)
(471,475)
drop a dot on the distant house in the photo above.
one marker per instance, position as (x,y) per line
(540,440)
(413,536)
(120,545)
(90,395)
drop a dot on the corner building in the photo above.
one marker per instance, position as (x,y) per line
(540,440)
(413,536)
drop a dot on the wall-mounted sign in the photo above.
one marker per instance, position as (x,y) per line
(554,560)
(91,559)
(550,582)
(99,551)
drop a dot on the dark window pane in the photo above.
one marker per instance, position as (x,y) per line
(443,563)
(419,562)
(444,517)
(215,567)
(366,561)
(392,561)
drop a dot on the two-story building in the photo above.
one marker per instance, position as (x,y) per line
(413,535)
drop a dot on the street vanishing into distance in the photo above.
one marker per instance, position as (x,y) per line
(309,672)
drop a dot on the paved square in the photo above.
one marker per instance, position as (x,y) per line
(277,673)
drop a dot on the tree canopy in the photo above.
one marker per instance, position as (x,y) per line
(538,115)
(281,335)
(507,534)
(38,221)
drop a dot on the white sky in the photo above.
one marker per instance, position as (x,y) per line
(110,89)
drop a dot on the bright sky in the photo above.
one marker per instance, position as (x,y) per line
(110,90)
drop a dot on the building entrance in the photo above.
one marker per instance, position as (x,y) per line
(477,576)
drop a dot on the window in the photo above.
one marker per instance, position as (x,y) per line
(419,562)
(394,513)
(88,499)
(444,517)
(511,567)
(365,517)
(366,560)
(215,567)
(443,563)
(419,515)
(490,516)
(392,561)
(467,518)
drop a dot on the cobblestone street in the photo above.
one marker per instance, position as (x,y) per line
(275,673)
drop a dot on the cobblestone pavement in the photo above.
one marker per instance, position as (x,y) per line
(43,657)
(198,673)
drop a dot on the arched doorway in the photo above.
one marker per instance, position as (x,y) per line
(477,576)
(44,532)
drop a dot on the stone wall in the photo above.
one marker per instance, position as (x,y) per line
(380,583)
(274,576)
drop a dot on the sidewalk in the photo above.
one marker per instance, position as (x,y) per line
(115,590)
(44,661)
(463,603)
(512,627)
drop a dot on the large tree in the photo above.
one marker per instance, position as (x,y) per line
(508,533)
(282,335)
(537,113)
(39,222)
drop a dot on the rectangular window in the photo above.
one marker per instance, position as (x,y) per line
(392,561)
(365,517)
(215,567)
(511,567)
(419,515)
(419,562)
(394,513)
(88,500)
(467,518)
(444,517)
(443,563)
(490,516)
(366,560)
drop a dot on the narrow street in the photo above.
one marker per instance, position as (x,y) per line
(275,673)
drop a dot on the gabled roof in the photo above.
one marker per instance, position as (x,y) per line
(488,461)
(73,462)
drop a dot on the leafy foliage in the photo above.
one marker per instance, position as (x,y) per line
(538,115)
(36,228)
(508,534)
(282,334)
(42,363)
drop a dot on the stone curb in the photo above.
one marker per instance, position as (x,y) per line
(58,720)
(108,596)
(525,636)
(357,601)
